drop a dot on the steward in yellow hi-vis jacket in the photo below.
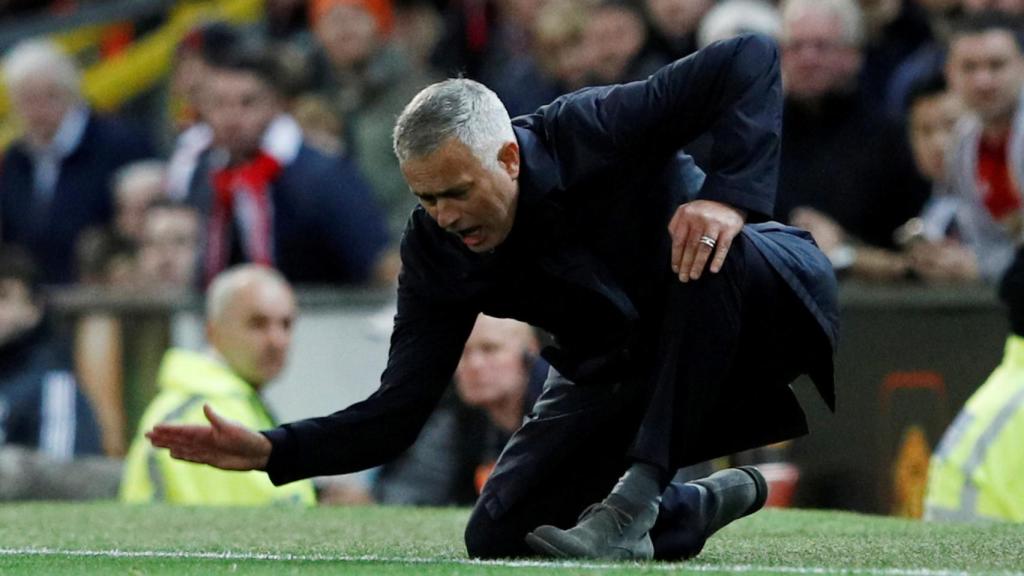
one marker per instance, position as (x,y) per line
(187,380)
(977,471)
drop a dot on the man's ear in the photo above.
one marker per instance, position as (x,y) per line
(508,158)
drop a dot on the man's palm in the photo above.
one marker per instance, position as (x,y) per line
(223,444)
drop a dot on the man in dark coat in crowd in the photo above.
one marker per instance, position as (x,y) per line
(41,406)
(670,347)
(55,178)
(267,196)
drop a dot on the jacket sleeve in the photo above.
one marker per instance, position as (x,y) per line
(426,345)
(731,90)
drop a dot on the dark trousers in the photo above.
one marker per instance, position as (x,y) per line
(731,344)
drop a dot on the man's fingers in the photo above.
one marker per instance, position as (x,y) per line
(215,420)
(189,455)
(702,233)
(170,442)
(721,251)
(678,229)
(160,440)
(165,434)
(181,453)
(220,444)
(702,248)
(689,255)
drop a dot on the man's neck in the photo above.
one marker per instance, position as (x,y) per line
(67,136)
(240,158)
(997,129)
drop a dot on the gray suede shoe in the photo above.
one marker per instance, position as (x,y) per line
(602,533)
(724,496)
(735,493)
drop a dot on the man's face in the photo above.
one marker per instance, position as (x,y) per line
(18,311)
(170,243)
(41,103)
(987,70)
(570,62)
(816,60)
(465,197)
(254,330)
(133,197)
(931,125)
(348,35)
(677,18)
(613,37)
(239,106)
(521,12)
(492,367)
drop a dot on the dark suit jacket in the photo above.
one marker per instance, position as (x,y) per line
(588,256)
(328,228)
(81,199)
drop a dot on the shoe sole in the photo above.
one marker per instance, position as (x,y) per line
(541,546)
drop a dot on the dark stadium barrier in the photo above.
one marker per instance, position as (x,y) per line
(909,357)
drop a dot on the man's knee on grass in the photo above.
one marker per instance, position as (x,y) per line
(488,539)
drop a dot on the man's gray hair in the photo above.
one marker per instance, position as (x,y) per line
(848,12)
(459,108)
(731,18)
(228,283)
(34,58)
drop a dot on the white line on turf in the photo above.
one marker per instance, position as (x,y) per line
(690,566)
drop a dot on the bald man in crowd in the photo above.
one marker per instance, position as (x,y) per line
(499,377)
(250,311)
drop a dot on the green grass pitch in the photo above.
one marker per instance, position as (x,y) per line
(108,538)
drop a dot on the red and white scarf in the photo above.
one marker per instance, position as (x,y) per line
(242,195)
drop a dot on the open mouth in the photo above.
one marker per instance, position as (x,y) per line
(465,232)
(471,237)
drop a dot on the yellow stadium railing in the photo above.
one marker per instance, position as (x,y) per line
(110,83)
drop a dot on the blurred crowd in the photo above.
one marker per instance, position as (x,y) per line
(269,143)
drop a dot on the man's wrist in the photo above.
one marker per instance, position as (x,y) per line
(266,449)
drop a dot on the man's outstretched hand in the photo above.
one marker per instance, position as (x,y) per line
(702,230)
(223,444)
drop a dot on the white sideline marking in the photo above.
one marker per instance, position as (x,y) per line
(674,567)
